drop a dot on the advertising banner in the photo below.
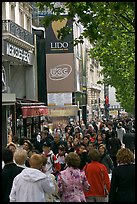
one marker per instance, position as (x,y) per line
(60,73)
(53,42)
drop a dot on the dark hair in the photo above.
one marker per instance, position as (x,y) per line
(73,160)
(61,147)
(46,144)
(29,143)
(7,155)
(94,155)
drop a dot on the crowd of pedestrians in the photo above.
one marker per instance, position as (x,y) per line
(93,163)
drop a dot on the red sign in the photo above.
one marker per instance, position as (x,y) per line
(33,111)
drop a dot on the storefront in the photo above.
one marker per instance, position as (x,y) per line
(8,117)
(30,116)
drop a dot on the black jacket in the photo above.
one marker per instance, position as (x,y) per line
(129,140)
(9,172)
(123,184)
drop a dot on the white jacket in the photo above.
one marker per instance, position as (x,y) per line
(31,185)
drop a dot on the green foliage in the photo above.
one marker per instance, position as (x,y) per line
(110,26)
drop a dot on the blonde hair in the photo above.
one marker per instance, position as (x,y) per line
(20,156)
(36,161)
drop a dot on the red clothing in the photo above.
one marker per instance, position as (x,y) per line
(95,179)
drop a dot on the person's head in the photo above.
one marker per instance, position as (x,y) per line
(73,160)
(35,151)
(61,149)
(81,148)
(46,147)
(94,155)
(36,161)
(124,156)
(44,134)
(11,146)
(15,139)
(20,156)
(56,137)
(76,141)
(86,140)
(102,149)
(27,145)
(7,155)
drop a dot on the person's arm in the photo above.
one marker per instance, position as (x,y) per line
(86,184)
(60,185)
(49,185)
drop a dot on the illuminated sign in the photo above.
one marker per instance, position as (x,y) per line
(53,43)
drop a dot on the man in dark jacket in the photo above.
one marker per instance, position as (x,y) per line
(57,142)
(9,171)
(129,139)
(46,137)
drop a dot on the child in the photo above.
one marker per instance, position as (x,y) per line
(61,156)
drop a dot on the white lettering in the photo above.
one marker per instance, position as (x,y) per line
(59,45)
(18,53)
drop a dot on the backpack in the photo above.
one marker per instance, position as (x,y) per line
(52,162)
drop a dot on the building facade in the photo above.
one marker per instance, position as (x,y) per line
(18,62)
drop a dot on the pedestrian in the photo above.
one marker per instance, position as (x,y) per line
(52,165)
(61,157)
(12,146)
(129,139)
(105,158)
(9,171)
(82,152)
(72,180)
(31,185)
(123,178)
(97,176)
(120,131)
(45,137)
(57,142)
(114,144)
(20,157)
(27,145)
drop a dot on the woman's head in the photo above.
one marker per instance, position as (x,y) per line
(11,146)
(73,160)
(27,145)
(125,156)
(94,155)
(102,148)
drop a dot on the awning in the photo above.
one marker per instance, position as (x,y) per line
(33,111)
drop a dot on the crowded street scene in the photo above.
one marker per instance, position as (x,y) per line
(68,102)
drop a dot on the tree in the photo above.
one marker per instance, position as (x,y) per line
(110,27)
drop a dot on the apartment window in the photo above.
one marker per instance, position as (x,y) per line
(13,13)
(28,24)
(3,11)
(21,19)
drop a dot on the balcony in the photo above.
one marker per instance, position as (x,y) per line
(95,86)
(9,26)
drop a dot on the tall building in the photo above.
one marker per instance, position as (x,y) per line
(19,70)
